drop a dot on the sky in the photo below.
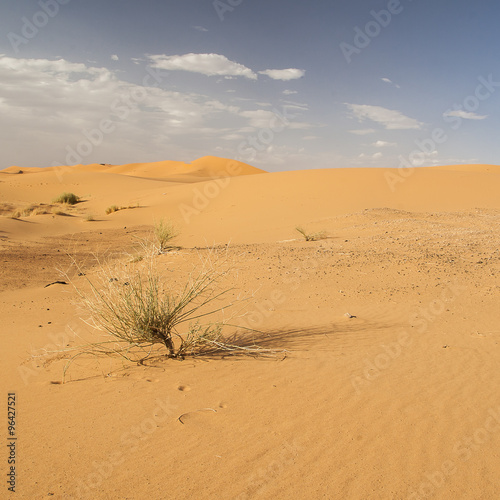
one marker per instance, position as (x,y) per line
(280,84)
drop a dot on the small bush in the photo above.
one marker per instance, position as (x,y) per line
(113,208)
(28,211)
(164,232)
(68,198)
(89,218)
(311,236)
(139,309)
(39,211)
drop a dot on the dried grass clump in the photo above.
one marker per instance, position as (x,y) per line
(56,211)
(320,235)
(115,208)
(67,198)
(29,211)
(139,310)
(164,232)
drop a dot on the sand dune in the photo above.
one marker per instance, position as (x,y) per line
(388,386)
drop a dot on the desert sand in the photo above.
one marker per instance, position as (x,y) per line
(384,382)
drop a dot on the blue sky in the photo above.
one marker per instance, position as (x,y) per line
(278,84)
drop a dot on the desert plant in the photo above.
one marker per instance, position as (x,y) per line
(311,236)
(68,198)
(116,208)
(89,218)
(56,211)
(112,208)
(138,309)
(164,233)
(40,210)
(27,211)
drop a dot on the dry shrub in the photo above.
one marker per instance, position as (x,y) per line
(165,232)
(67,198)
(320,235)
(140,311)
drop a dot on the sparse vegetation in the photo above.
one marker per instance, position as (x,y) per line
(67,198)
(56,211)
(311,236)
(113,208)
(164,232)
(89,218)
(29,211)
(139,310)
(116,208)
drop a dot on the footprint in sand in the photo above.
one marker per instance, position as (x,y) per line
(478,335)
(196,415)
(184,388)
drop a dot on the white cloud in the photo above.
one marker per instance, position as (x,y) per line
(200,28)
(296,105)
(452,161)
(289,92)
(390,82)
(389,118)
(262,118)
(375,156)
(56,105)
(383,144)
(310,137)
(114,57)
(206,64)
(363,131)
(466,115)
(284,74)
(233,137)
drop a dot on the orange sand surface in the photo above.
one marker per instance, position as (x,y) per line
(383,381)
